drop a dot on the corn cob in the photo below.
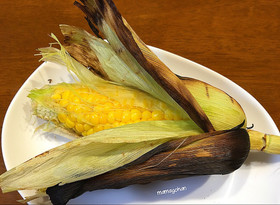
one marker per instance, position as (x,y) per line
(85,111)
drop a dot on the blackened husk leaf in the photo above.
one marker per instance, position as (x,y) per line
(219,152)
(103,13)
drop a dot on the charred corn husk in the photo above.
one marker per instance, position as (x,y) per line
(219,152)
(108,20)
(104,151)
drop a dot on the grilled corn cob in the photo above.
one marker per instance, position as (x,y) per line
(87,107)
(121,104)
(85,111)
(95,104)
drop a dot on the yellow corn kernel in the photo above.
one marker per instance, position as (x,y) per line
(116,104)
(157,115)
(126,116)
(79,109)
(98,128)
(56,97)
(101,99)
(76,100)
(116,124)
(135,115)
(111,117)
(65,94)
(70,108)
(84,133)
(83,96)
(122,123)
(63,102)
(137,121)
(72,117)
(70,124)
(94,119)
(146,115)
(62,117)
(118,115)
(79,127)
(89,99)
(87,127)
(103,118)
(107,126)
(85,109)
(98,108)
(87,118)
(108,106)
(80,118)
(90,131)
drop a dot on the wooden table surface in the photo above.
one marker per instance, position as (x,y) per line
(239,39)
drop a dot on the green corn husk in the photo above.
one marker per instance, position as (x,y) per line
(61,57)
(94,154)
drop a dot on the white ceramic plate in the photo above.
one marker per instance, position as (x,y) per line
(257,181)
